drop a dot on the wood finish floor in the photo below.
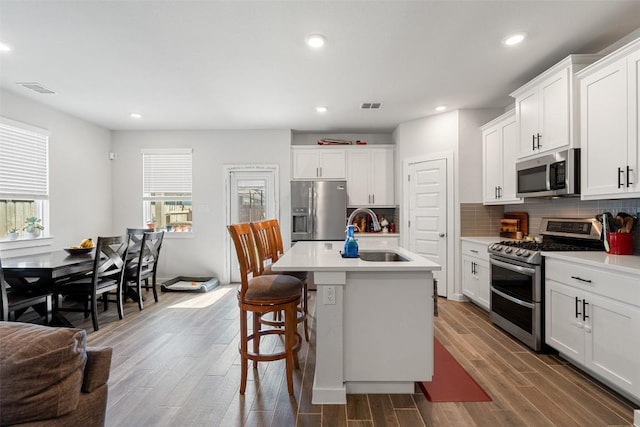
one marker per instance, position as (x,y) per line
(176,364)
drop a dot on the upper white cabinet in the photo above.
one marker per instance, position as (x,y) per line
(499,153)
(609,119)
(370,177)
(545,108)
(318,163)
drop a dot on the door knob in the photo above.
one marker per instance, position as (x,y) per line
(442,234)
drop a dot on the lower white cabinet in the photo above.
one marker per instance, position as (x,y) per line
(592,317)
(475,273)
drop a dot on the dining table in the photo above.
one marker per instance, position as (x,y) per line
(44,271)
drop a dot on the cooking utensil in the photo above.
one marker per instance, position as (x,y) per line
(604,233)
(612,225)
(628,224)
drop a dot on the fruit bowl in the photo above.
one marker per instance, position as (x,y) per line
(78,251)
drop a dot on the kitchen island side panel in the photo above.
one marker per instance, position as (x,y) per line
(388,326)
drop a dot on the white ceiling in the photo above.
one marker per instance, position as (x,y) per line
(244,64)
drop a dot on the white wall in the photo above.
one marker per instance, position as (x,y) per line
(456,132)
(204,252)
(80,172)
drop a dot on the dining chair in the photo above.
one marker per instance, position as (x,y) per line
(258,294)
(107,277)
(13,304)
(266,234)
(143,263)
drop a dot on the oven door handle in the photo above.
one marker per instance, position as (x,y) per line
(520,269)
(512,299)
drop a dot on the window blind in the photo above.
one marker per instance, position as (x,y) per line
(167,174)
(24,162)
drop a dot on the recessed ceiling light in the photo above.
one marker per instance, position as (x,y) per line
(4,47)
(441,108)
(135,115)
(514,39)
(315,40)
(322,109)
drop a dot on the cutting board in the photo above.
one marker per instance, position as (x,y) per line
(509,225)
(523,218)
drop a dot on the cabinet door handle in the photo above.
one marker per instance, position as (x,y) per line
(584,310)
(577,305)
(538,140)
(581,279)
(473,250)
(499,192)
(620,171)
(373,198)
(320,171)
(533,142)
(628,180)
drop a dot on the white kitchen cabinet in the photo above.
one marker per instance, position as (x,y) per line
(545,108)
(370,176)
(475,273)
(499,153)
(317,163)
(609,119)
(591,316)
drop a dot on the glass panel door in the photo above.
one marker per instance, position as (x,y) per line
(252,198)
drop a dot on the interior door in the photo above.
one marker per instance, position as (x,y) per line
(251,198)
(428,215)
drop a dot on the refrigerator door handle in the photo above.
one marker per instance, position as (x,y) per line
(311,211)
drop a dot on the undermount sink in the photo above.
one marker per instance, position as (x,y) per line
(381,256)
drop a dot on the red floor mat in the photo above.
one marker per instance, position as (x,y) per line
(450,382)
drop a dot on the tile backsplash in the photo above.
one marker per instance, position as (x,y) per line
(479,220)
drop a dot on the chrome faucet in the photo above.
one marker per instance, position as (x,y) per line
(374,218)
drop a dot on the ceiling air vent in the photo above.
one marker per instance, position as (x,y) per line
(370,105)
(36,87)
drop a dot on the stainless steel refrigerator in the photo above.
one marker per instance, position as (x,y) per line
(318,209)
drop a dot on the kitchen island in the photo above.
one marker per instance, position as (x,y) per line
(374,319)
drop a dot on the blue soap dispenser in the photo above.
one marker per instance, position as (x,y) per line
(350,249)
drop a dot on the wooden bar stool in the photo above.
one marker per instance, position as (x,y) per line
(263,294)
(269,244)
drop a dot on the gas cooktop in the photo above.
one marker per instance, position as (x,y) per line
(558,234)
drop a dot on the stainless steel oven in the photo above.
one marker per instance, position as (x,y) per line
(516,299)
(516,270)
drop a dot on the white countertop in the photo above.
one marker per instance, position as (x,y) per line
(621,263)
(325,256)
(484,240)
(381,234)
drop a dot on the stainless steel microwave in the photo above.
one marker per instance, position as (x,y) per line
(556,174)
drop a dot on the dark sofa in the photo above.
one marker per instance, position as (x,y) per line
(48,377)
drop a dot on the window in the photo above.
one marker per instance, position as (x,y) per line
(24,176)
(166,194)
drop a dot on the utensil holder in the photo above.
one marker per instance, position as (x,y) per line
(620,243)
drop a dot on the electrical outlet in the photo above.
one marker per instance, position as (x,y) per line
(329,295)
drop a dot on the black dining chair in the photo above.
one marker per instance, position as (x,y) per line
(106,279)
(144,265)
(14,304)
